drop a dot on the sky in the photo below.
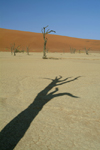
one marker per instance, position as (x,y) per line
(73,18)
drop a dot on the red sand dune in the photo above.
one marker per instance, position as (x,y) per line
(35,41)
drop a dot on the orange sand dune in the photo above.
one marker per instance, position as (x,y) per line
(35,41)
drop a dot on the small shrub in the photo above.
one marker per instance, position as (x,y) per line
(22,51)
(17,51)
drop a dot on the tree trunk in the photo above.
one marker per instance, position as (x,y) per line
(44,49)
(14,52)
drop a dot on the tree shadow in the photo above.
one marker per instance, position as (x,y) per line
(12,133)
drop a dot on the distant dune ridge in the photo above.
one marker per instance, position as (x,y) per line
(35,42)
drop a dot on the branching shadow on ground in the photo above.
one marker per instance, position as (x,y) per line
(16,128)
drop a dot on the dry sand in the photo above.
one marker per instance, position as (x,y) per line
(40,110)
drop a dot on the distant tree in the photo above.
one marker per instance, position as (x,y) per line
(72,50)
(87,50)
(14,49)
(45,39)
(27,49)
(11,50)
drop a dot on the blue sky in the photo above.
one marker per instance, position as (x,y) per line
(74,18)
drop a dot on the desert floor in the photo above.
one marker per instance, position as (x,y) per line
(51,104)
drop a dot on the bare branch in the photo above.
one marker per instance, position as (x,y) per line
(18,46)
(46,26)
(50,31)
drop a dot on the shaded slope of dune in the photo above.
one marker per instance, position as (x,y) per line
(55,43)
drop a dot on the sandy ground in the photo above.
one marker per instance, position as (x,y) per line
(51,104)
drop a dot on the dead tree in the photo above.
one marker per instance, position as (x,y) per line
(45,39)
(87,50)
(27,48)
(12,48)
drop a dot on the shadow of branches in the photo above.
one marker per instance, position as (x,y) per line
(12,133)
